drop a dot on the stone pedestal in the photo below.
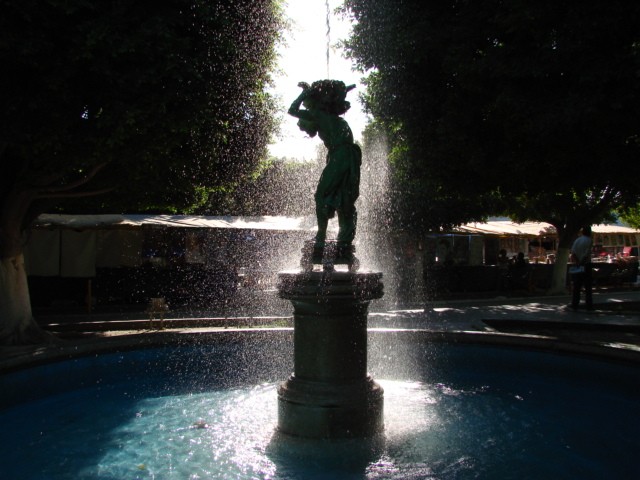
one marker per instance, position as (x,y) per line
(330,394)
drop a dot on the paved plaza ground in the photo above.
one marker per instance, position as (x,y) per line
(612,326)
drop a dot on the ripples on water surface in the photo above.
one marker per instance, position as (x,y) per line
(462,420)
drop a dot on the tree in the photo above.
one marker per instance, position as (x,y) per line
(279,187)
(631,216)
(159,104)
(524,108)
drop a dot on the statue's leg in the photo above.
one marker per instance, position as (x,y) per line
(347,221)
(322,215)
(327,194)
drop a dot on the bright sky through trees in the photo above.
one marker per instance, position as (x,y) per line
(303,58)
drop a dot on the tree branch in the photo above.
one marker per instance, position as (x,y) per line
(89,193)
(81,181)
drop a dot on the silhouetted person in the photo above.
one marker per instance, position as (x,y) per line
(520,272)
(503,270)
(581,257)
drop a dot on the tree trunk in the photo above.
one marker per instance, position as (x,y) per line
(566,235)
(17,326)
(559,278)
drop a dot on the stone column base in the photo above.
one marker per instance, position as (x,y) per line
(330,410)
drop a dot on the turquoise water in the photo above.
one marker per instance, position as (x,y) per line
(451,412)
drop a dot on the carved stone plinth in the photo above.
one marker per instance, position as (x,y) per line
(330,394)
(330,255)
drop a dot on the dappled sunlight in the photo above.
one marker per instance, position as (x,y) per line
(464,411)
(528,308)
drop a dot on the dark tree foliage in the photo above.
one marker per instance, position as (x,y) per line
(631,215)
(279,187)
(525,108)
(166,98)
(153,105)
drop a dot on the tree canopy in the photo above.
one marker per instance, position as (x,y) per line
(632,216)
(279,187)
(525,108)
(165,99)
(154,105)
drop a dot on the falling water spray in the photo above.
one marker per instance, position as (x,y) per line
(330,394)
(328,36)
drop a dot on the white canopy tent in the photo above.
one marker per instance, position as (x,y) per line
(503,227)
(266,222)
(181,221)
(74,245)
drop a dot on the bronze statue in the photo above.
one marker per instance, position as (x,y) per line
(339,186)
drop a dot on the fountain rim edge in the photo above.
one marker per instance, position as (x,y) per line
(132,342)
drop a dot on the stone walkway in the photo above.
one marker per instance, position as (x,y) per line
(611,309)
(614,325)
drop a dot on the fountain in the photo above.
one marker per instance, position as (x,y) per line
(213,405)
(204,405)
(330,394)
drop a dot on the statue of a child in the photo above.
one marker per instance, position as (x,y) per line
(339,186)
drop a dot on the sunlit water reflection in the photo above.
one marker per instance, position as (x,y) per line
(468,426)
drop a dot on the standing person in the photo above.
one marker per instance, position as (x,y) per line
(581,258)
(339,184)
(503,270)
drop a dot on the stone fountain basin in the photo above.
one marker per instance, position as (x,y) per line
(456,405)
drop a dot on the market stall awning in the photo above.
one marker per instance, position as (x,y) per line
(266,222)
(535,229)
(509,228)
